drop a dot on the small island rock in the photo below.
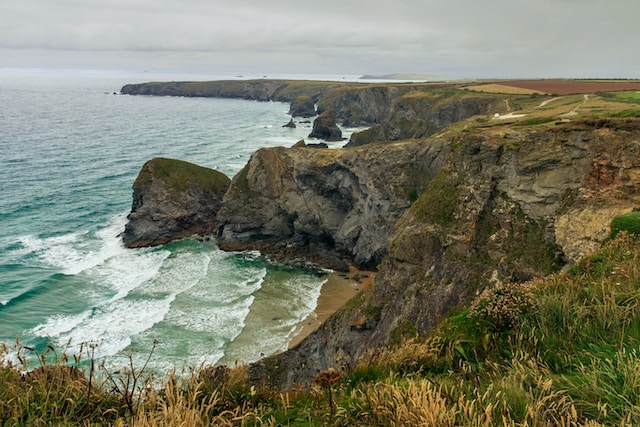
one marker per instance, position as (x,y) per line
(173,199)
(325,127)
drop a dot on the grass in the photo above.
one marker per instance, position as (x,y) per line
(180,176)
(564,350)
(439,200)
(629,222)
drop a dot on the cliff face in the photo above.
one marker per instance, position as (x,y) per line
(322,205)
(173,199)
(363,105)
(257,90)
(423,113)
(502,207)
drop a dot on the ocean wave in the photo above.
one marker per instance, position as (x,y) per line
(111,327)
(72,253)
(285,299)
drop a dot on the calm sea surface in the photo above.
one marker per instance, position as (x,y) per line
(70,150)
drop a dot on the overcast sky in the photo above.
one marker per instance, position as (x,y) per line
(458,38)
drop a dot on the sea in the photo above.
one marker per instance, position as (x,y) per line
(71,147)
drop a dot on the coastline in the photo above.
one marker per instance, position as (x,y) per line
(335,293)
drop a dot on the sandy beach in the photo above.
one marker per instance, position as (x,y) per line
(339,288)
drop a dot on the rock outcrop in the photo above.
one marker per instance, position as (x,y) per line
(500,208)
(325,127)
(173,199)
(325,206)
(302,106)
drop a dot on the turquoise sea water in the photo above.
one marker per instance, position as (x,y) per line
(70,150)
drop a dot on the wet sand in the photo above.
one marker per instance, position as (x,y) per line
(339,288)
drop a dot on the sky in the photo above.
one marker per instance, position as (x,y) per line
(450,38)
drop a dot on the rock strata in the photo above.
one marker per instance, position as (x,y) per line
(173,199)
(325,206)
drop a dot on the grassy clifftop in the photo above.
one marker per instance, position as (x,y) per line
(179,175)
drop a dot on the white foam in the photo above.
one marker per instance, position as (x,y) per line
(129,270)
(60,324)
(76,252)
(178,273)
(273,318)
(112,326)
(224,321)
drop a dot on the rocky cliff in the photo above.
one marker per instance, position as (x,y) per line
(425,111)
(501,207)
(440,217)
(325,206)
(325,127)
(173,199)
(257,90)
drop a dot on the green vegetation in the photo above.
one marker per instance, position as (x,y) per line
(439,200)
(629,222)
(626,96)
(535,121)
(563,350)
(626,113)
(180,175)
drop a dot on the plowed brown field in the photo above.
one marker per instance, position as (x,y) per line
(568,87)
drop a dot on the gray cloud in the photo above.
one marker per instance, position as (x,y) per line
(489,38)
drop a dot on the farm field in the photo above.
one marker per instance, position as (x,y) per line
(559,86)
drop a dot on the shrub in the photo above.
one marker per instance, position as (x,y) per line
(500,309)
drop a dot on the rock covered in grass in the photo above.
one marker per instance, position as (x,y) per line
(173,199)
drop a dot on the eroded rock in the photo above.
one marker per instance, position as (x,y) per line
(325,127)
(173,199)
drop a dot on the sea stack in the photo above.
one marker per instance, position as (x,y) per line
(173,199)
(325,127)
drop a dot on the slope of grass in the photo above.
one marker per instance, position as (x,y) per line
(564,350)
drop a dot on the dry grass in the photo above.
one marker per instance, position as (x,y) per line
(503,88)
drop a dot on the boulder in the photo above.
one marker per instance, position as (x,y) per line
(291,124)
(325,127)
(173,199)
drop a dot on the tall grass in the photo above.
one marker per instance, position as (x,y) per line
(564,352)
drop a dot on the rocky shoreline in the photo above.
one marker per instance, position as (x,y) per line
(439,218)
